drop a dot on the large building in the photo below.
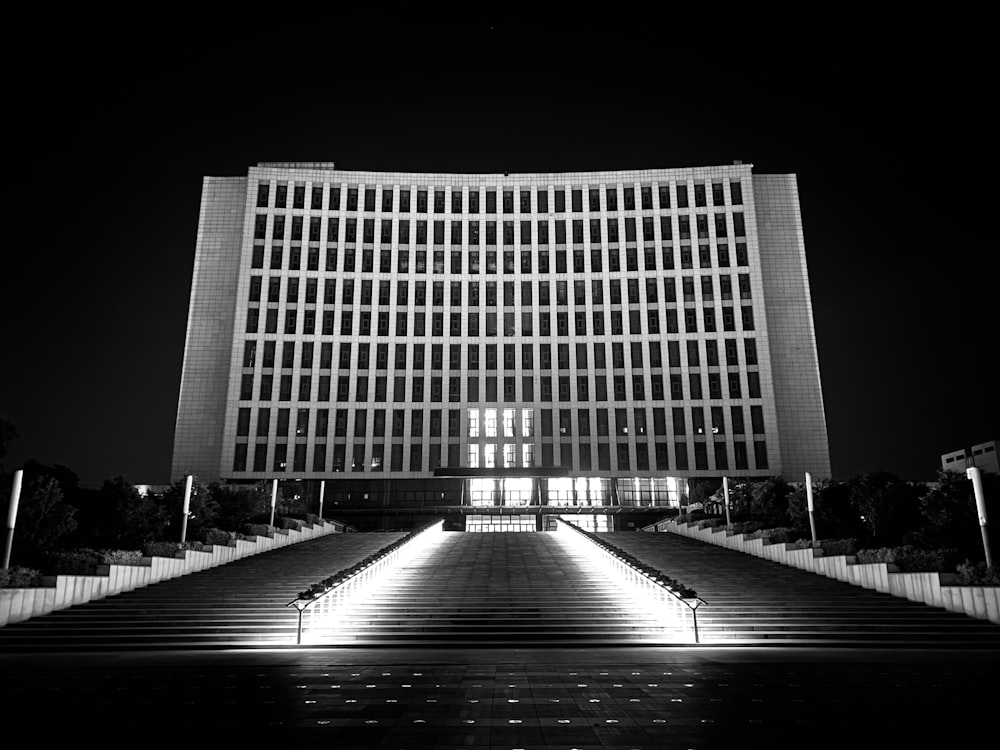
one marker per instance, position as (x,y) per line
(500,347)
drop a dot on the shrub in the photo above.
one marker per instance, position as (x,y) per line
(218,536)
(162,549)
(837,546)
(258,529)
(79,562)
(781,534)
(746,527)
(20,578)
(977,574)
(910,559)
(301,515)
(121,556)
(290,523)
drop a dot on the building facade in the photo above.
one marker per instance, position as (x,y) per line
(500,347)
(983,456)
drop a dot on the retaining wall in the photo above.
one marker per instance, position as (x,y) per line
(935,589)
(62,591)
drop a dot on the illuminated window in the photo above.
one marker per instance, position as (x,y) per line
(491,423)
(473,423)
(508,423)
(509,455)
(528,454)
(481,491)
(527,423)
(560,491)
(489,456)
(517,491)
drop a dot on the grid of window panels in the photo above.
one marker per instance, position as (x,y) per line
(486,523)
(609,324)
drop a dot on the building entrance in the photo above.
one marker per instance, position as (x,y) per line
(480,523)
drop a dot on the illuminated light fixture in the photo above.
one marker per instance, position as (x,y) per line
(322,607)
(651,590)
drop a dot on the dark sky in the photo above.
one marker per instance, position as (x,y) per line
(887,130)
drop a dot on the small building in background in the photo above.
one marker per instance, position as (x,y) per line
(983,456)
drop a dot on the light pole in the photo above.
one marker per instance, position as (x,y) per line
(977,485)
(322,490)
(15,496)
(274,498)
(725,489)
(809,504)
(187,507)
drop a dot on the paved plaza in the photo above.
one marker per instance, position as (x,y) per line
(557,697)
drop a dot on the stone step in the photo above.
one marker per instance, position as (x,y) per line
(497,589)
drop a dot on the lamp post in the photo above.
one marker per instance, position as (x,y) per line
(977,485)
(725,490)
(274,498)
(187,507)
(15,496)
(322,490)
(809,504)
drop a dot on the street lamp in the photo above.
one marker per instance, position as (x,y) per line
(977,485)
(809,505)
(725,489)
(15,496)
(186,508)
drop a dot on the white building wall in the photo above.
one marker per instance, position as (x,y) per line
(798,392)
(201,406)
(783,331)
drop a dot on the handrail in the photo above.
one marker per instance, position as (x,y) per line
(328,585)
(649,574)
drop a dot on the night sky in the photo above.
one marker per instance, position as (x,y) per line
(887,130)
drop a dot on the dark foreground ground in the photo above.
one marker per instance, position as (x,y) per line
(559,697)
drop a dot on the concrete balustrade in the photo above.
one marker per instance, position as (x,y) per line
(935,589)
(62,591)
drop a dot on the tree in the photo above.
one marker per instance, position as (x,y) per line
(887,507)
(239,505)
(740,496)
(769,501)
(833,512)
(949,516)
(203,509)
(43,518)
(131,519)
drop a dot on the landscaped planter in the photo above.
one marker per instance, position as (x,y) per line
(62,591)
(935,589)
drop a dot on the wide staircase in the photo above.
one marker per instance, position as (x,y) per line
(496,589)
(500,589)
(753,600)
(241,603)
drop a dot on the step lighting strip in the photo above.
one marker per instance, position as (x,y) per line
(322,603)
(651,587)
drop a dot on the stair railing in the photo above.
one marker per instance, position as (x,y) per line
(642,576)
(322,599)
